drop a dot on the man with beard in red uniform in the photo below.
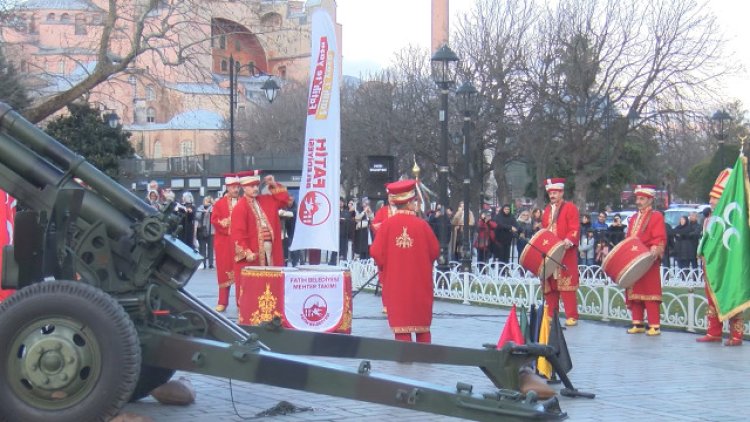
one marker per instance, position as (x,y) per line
(256,226)
(715,326)
(648,226)
(221,218)
(406,248)
(561,218)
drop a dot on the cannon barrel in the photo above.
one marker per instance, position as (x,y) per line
(42,160)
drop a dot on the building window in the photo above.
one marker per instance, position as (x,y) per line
(150,115)
(131,79)
(80,25)
(224,66)
(65,18)
(282,72)
(222,42)
(157,149)
(150,95)
(51,17)
(61,67)
(251,67)
(32,25)
(186,148)
(96,20)
(237,45)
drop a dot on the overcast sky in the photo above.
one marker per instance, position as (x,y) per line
(374,30)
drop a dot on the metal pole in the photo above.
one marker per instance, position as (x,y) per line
(466,263)
(231,113)
(443,174)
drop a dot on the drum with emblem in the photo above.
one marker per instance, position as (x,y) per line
(628,262)
(543,254)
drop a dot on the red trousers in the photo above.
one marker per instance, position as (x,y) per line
(714,328)
(652,309)
(569,299)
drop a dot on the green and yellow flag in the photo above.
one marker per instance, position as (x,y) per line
(726,246)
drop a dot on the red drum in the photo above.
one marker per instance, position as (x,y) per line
(531,257)
(628,262)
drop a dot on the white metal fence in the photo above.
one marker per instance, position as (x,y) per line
(683,305)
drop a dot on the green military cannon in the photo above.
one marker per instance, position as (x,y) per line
(101,315)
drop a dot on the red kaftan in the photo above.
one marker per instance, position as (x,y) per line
(406,248)
(248,218)
(566,225)
(648,226)
(220,219)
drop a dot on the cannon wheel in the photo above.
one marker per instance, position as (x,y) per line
(69,352)
(150,378)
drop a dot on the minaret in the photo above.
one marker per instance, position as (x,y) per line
(440,12)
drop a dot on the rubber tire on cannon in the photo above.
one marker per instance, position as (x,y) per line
(69,352)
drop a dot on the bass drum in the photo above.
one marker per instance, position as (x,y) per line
(532,258)
(628,262)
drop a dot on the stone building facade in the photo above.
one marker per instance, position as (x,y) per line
(171,109)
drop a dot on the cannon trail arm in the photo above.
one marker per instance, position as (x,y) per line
(249,361)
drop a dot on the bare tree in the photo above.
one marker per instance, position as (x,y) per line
(168,37)
(493,39)
(645,59)
(277,128)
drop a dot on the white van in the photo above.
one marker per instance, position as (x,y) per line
(672,214)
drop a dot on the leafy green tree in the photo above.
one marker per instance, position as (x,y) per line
(11,89)
(85,132)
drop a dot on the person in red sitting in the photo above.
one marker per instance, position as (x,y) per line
(406,248)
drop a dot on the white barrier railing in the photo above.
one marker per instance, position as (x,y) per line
(683,305)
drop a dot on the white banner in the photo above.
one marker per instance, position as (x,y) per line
(317,224)
(314,301)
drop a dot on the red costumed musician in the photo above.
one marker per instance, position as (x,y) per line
(736,323)
(256,226)
(406,248)
(561,218)
(384,213)
(648,226)
(221,219)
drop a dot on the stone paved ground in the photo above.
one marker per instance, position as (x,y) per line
(667,378)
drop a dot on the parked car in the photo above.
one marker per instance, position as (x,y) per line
(672,214)
(624,215)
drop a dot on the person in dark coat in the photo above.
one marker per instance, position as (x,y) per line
(683,244)
(504,232)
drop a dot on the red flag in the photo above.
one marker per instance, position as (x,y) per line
(511,331)
(7,212)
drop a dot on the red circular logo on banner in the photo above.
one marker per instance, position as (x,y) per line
(314,309)
(314,209)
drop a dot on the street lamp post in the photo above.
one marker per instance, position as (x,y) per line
(269,87)
(719,117)
(467,102)
(444,63)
